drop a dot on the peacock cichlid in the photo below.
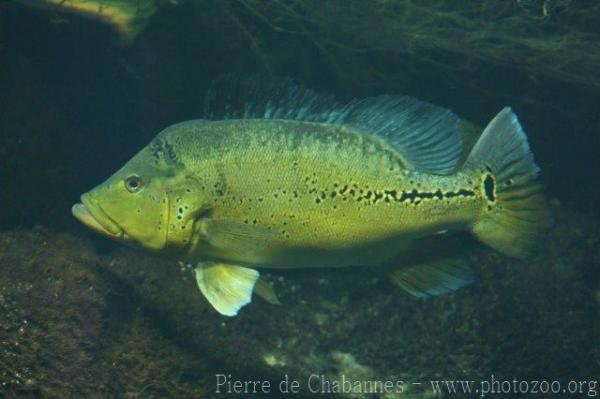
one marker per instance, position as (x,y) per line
(290,178)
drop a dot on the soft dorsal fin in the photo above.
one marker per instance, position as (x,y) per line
(426,136)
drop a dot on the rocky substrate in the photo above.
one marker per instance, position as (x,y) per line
(83,318)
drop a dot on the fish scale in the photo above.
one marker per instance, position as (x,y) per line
(264,171)
(300,180)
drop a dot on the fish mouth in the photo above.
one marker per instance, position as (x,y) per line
(95,218)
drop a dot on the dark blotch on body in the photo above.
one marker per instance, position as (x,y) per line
(489,187)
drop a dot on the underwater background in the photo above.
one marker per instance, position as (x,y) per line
(84,88)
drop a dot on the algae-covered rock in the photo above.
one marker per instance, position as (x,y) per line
(126,17)
(79,322)
(71,330)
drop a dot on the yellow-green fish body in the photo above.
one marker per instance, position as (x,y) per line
(302,181)
(316,194)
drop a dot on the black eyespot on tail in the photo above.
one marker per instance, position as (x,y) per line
(489,187)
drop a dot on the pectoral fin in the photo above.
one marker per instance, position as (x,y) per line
(434,277)
(227,287)
(237,238)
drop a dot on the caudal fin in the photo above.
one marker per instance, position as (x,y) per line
(516,212)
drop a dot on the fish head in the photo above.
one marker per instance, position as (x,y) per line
(145,203)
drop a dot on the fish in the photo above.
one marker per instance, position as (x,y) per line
(277,175)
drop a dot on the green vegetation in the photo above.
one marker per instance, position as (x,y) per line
(553,38)
(557,39)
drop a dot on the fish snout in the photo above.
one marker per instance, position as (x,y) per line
(92,216)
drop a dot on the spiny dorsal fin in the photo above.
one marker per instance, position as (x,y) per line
(230,97)
(426,136)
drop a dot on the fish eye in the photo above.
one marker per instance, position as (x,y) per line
(133,184)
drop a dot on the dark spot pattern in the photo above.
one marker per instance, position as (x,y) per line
(489,187)
(161,149)
(370,196)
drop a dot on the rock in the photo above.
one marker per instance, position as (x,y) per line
(127,323)
(69,329)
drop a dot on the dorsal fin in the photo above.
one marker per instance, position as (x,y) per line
(230,97)
(426,136)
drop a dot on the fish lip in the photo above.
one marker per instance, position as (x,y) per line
(94,217)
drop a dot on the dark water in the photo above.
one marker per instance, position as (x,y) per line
(85,317)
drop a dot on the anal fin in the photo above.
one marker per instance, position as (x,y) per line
(433,277)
